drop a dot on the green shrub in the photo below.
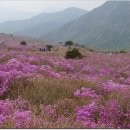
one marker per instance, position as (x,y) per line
(23,43)
(91,50)
(74,53)
(123,51)
(49,47)
(69,43)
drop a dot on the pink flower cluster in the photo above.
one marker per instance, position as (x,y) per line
(109,115)
(86,114)
(112,86)
(85,92)
(18,110)
(22,119)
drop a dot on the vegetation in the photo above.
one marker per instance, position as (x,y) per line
(72,54)
(123,51)
(69,43)
(49,47)
(23,43)
(45,90)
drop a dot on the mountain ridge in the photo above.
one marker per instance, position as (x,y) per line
(21,27)
(99,28)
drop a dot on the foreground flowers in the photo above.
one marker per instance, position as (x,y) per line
(60,93)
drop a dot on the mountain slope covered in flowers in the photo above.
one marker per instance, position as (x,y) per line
(44,90)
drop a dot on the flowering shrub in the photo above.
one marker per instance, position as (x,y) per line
(12,109)
(22,119)
(87,114)
(86,92)
(108,116)
(92,92)
(111,86)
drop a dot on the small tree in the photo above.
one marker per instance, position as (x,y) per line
(91,50)
(23,43)
(72,54)
(69,43)
(123,51)
(49,47)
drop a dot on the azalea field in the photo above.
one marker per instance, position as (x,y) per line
(45,90)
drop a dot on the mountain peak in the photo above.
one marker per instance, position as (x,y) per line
(106,27)
(42,23)
(74,9)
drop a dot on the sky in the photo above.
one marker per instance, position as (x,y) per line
(24,9)
(49,5)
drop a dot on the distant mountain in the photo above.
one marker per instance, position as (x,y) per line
(41,24)
(107,27)
(10,14)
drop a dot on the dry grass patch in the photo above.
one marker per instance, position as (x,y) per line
(45,91)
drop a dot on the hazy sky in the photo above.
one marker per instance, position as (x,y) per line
(49,5)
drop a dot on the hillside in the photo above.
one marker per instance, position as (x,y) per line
(106,27)
(48,84)
(44,90)
(42,23)
(10,40)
